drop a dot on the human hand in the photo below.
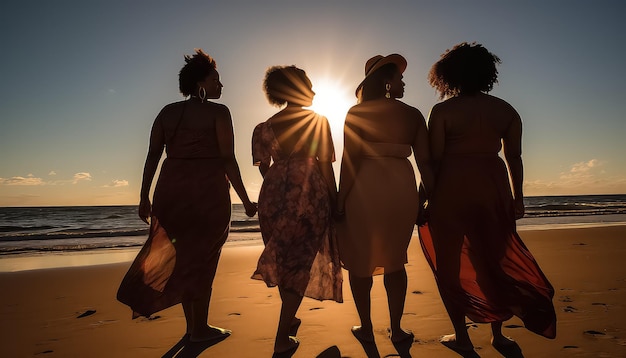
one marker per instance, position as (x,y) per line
(251,208)
(339,212)
(519,208)
(423,214)
(145,210)
(339,215)
(422,217)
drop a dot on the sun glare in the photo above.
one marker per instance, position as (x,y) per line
(333,101)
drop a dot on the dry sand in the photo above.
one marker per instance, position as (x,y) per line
(39,309)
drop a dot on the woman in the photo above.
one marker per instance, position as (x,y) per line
(294,152)
(482,267)
(190,217)
(378,196)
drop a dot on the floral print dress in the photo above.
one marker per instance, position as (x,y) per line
(300,252)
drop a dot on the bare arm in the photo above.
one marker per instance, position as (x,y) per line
(421,152)
(351,160)
(512,146)
(437,138)
(155,151)
(263,168)
(226,143)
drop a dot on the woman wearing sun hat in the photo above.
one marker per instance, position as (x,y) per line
(378,197)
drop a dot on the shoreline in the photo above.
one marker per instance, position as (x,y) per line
(41,260)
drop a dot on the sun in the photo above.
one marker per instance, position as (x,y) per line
(333,101)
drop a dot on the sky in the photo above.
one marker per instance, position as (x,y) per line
(82,81)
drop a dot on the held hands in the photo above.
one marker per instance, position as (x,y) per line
(339,213)
(423,213)
(145,210)
(251,208)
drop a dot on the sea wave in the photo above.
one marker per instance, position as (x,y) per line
(21,233)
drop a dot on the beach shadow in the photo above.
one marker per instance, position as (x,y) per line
(330,352)
(510,351)
(187,349)
(403,347)
(463,353)
(370,349)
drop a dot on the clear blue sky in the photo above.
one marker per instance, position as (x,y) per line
(81,81)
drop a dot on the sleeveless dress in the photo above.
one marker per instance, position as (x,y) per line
(189,224)
(301,253)
(381,209)
(480,262)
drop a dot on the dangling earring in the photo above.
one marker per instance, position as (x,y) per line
(388,87)
(201,94)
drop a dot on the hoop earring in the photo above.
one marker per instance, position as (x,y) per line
(388,87)
(201,94)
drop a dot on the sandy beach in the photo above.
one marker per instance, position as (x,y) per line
(40,310)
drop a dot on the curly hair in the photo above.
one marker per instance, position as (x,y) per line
(197,68)
(287,84)
(466,68)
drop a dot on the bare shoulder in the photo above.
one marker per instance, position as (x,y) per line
(218,107)
(501,103)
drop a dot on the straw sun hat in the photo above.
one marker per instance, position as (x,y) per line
(379,61)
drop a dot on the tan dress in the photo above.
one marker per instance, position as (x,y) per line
(381,209)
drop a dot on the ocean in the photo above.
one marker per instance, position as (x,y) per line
(39,230)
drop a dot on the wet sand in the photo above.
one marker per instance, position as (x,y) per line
(40,309)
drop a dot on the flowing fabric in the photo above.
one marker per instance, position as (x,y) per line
(189,224)
(301,253)
(480,262)
(380,211)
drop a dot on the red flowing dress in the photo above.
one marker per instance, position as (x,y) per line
(480,263)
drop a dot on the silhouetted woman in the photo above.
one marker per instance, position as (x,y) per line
(481,265)
(190,216)
(378,194)
(294,152)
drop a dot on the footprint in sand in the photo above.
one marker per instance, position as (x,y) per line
(45,352)
(316,308)
(86,313)
(234,314)
(597,334)
(416,292)
(103,322)
(151,318)
(513,326)
(565,299)
(570,309)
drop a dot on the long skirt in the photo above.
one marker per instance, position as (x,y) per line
(189,225)
(480,263)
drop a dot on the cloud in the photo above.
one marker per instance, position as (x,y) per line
(28,181)
(81,176)
(116,183)
(587,177)
(52,172)
(584,167)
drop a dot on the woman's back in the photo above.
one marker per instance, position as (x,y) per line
(384,121)
(189,129)
(302,133)
(474,124)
